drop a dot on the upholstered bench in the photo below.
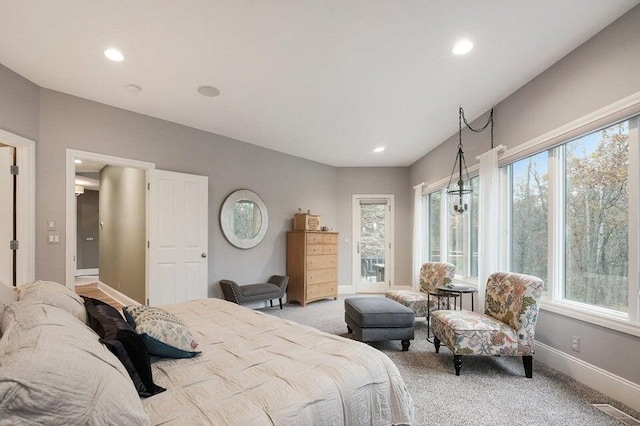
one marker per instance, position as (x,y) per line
(274,288)
(373,319)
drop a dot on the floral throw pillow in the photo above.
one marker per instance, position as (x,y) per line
(164,334)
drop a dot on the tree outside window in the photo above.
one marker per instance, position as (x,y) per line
(529,213)
(597,218)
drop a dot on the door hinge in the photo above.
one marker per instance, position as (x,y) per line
(148,245)
(14,245)
(14,170)
(148,186)
(389,246)
(147,301)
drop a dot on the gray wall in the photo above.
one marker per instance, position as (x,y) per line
(375,180)
(19,104)
(123,230)
(87,220)
(598,73)
(285,183)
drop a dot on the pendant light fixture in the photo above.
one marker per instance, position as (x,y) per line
(459,187)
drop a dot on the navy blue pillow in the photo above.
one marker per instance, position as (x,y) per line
(121,339)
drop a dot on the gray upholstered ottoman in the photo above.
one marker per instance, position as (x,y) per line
(372,319)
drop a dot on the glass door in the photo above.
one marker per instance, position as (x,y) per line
(373,264)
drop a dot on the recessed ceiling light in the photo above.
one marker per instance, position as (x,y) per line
(379,149)
(114,55)
(132,88)
(78,161)
(462,46)
(208,91)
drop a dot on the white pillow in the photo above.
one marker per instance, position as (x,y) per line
(54,294)
(55,371)
(7,296)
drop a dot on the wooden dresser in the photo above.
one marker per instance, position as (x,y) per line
(312,266)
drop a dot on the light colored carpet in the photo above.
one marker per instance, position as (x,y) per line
(489,391)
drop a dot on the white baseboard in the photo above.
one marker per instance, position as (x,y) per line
(613,386)
(94,271)
(120,297)
(346,289)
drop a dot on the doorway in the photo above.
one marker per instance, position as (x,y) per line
(17,209)
(113,255)
(373,248)
(173,229)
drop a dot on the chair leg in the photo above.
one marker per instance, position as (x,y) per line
(527,360)
(271,302)
(281,303)
(405,345)
(457,363)
(436,343)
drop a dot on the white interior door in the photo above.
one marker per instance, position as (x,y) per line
(372,237)
(6,214)
(178,237)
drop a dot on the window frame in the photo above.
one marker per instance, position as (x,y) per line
(444,232)
(553,300)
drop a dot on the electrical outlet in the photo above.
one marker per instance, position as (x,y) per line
(575,343)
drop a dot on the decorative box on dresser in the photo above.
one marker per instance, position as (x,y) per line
(312,266)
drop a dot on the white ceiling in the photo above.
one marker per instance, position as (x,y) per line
(327,80)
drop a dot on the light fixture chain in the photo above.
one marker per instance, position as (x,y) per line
(489,121)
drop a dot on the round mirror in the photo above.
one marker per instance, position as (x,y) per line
(244,219)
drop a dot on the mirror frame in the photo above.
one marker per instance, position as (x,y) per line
(227,210)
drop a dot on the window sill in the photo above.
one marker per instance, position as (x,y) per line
(471,282)
(615,322)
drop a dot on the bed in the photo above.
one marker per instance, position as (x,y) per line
(253,369)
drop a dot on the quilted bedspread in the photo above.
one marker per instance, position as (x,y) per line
(256,369)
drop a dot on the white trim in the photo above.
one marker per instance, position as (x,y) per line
(120,297)
(634,220)
(25,205)
(613,386)
(71,214)
(592,315)
(389,252)
(512,154)
(92,271)
(346,289)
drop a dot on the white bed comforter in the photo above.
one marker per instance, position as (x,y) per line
(256,369)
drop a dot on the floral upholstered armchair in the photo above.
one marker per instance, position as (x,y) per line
(432,275)
(507,327)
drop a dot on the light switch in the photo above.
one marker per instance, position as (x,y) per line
(56,238)
(50,239)
(51,225)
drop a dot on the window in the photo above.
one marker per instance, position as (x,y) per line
(529,211)
(433,226)
(597,218)
(459,243)
(580,243)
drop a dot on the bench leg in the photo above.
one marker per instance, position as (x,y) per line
(405,345)
(349,330)
(271,302)
(436,343)
(280,303)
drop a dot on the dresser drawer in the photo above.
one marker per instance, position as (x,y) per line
(329,239)
(321,276)
(314,238)
(329,249)
(317,291)
(322,261)
(314,249)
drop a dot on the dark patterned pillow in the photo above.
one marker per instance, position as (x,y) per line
(164,334)
(124,342)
